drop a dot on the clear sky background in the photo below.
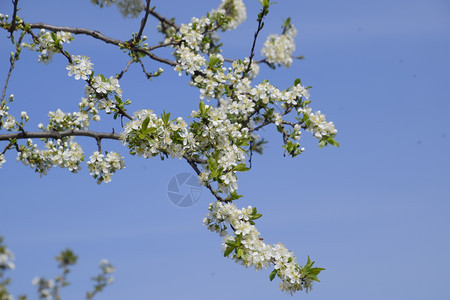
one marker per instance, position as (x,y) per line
(374,212)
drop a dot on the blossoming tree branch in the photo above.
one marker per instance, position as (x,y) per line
(219,139)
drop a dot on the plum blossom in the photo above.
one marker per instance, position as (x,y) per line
(80,66)
(278,49)
(234,10)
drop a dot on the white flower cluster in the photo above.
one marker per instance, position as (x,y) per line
(45,287)
(130,8)
(248,248)
(104,85)
(278,49)
(188,58)
(234,10)
(9,123)
(6,259)
(102,167)
(81,67)
(148,135)
(103,2)
(99,93)
(107,269)
(2,159)
(214,81)
(318,125)
(192,33)
(219,137)
(65,154)
(61,121)
(254,71)
(48,43)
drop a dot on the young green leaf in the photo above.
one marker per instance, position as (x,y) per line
(228,251)
(273,274)
(241,168)
(145,124)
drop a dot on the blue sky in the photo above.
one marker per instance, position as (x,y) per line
(374,212)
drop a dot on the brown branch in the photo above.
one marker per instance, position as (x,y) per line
(94,33)
(143,21)
(193,163)
(58,135)
(12,61)
(99,144)
(9,146)
(11,68)
(260,27)
(161,46)
(164,20)
(97,35)
(267,122)
(118,76)
(13,19)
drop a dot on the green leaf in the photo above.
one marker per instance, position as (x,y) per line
(165,117)
(287,22)
(232,243)
(240,252)
(322,143)
(201,107)
(273,274)
(145,124)
(53,35)
(234,196)
(331,141)
(212,164)
(241,168)
(228,251)
(315,271)
(256,216)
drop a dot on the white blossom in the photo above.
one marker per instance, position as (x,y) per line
(102,167)
(254,252)
(47,45)
(278,49)
(6,259)
(9,123)
(2,159)
(234,10)
(130,8)
(81,67)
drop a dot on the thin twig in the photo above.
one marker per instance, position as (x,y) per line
(193,164)
(58,135)
(9,146)
(161,46)
(12,61)
(252,51)
(164,20)
(148,75)
(118,76)
(99,144)
(143,21)
(97,35)
(13,20)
